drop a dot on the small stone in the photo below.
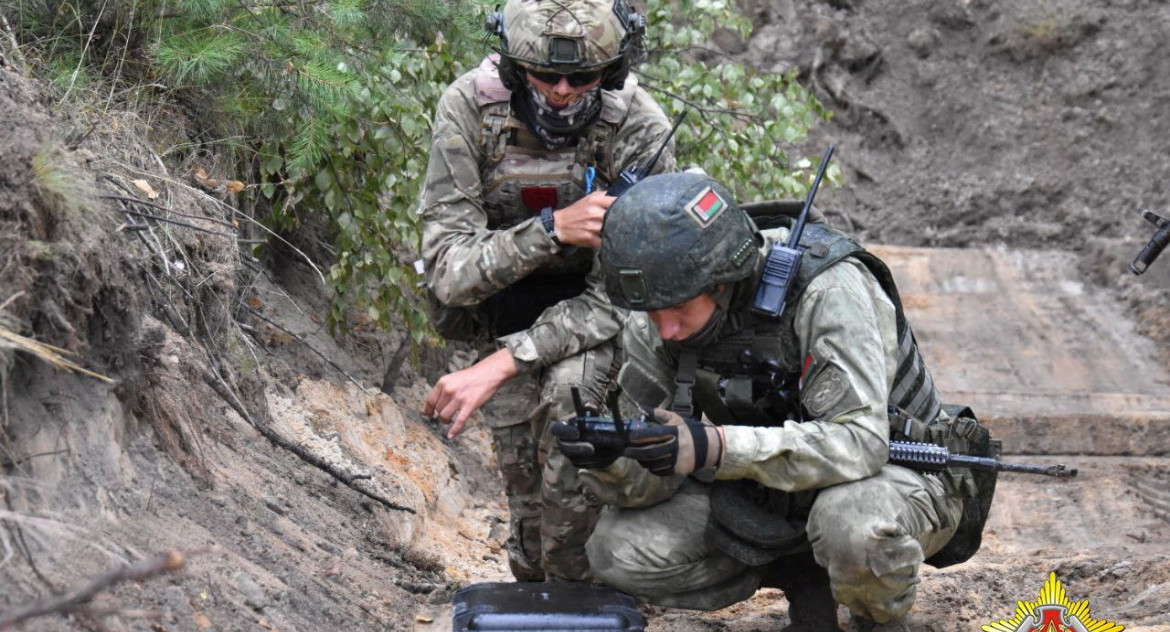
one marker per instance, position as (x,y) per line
(923,40)
(254,596)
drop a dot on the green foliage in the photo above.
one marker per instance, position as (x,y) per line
(332,99)
(741,119)
(331,102)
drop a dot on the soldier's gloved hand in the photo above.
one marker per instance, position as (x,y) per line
(675,445)
(581,453)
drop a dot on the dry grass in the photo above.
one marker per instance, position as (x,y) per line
(1051,31)
(63,189)
(54,356)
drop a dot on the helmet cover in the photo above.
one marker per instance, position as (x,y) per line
(672,237)
(565,34)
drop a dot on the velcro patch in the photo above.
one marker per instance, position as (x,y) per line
(537,198)
(706,206)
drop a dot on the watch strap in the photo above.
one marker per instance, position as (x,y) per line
(550,228)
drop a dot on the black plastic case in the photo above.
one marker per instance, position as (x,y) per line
(525,607)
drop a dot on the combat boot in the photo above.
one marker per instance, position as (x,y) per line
(805,583)
(861,624)
(522,566)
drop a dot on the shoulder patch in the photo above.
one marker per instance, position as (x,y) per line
(706,206)
(488,86)
(829,393)
(615,103)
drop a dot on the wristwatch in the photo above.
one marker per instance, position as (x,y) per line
(550,228)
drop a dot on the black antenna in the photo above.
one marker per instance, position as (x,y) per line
(578,405)
(614,400)
(783,262)
(630,177)
(798,229)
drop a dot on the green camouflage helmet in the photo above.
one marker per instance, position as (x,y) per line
(672,237)
(569,35)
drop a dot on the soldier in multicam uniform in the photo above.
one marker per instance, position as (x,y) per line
(523,150)
(789,487)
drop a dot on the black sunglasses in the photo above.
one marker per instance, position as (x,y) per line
(576,79)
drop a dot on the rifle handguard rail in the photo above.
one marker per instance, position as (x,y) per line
(929,457)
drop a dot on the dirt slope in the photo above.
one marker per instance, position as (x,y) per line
(1032,124)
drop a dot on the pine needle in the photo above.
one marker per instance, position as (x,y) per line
(54,356)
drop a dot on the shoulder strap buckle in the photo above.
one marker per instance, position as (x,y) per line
(493,138)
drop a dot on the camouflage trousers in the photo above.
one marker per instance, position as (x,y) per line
(871,535)
(552,513)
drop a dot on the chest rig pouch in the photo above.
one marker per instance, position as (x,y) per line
(750,522)
(961,433)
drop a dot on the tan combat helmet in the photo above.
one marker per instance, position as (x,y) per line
(567,36)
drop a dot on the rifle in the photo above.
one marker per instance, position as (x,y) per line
(603,432)
(928,457)
(629,177)
(783,262)
(1156,245)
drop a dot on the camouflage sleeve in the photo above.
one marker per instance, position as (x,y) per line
(641,135)
(567,328)
(847,331)
(589,319)
(465,261)
(647,375)
(645,379)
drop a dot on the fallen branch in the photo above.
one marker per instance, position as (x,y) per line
(159,218)
(221,388)
(15,45)
(14,462)
(10,300)
(229,209)
(126,198)
(306,343)
(50,354)
(166,562)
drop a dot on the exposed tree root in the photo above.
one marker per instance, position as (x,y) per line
(75,600)
(217,383)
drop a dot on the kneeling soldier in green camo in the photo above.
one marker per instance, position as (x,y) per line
(790,486)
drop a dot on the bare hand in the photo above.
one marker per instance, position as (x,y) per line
(579,224)
(457,395)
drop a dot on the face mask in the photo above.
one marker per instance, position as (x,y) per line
(556,128)
(571,113)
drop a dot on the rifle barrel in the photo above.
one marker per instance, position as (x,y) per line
(929,457)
